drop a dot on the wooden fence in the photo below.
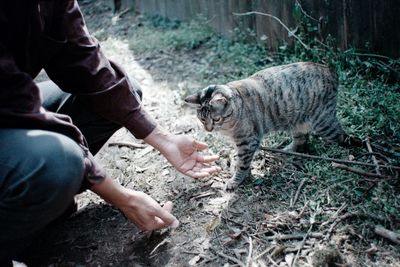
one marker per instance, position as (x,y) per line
(353,23)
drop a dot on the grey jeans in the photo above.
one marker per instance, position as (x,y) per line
(41,171)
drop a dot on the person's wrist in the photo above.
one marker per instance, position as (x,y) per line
(160,139)
(125,198)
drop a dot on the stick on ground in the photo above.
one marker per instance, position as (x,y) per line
(360,172)
(392,236)
(328,159)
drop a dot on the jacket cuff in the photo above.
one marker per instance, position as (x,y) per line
(140,124)
(94,173)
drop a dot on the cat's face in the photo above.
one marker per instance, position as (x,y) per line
(213,106)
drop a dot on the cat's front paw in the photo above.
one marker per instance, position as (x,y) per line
(232,184)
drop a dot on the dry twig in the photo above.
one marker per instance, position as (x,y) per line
(300,247)
(383,232)
(294,200)
(304,12)
(239,262)
(165,241)
(248,263)
(373,156)
(127,144)
(291,33)
(280,237)
(264,252)
(328,159)
(360,172)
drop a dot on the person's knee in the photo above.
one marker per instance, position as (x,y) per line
(55,170)
(63,166)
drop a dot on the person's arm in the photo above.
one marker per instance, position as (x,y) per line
(81,68)
(137,206)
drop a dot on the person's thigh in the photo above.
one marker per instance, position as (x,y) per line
(40,172)
(96,129)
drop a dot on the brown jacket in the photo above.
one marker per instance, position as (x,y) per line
(52,35)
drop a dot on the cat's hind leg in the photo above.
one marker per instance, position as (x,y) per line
(332,132)
(328,127)
(300,137)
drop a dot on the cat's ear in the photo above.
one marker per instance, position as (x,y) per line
(218,101)
(193,99)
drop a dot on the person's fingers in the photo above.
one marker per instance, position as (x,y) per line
(205,168)
(196,174)
(212,169)
(199,145)
(206,159)
(165,215)
(168,206)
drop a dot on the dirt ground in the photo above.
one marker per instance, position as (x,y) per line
(264,223)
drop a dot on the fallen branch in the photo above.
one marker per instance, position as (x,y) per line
(249,261)
(360,172)
(383,232)
(304,12)
(373,156)
(272,261)
(238,262)
(127,144)
(328,159)
(300,247)
(334,216)
(280,237)
(278,20)
(351,215)
(165,241)
(264,252)
(120,14)
(297,193)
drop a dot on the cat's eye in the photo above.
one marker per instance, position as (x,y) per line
(217,119)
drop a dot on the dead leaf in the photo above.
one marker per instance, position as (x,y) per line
(289,258)
(145,151)
(140,170)
(234,233)
(213,224)
(268,217)
(194,260)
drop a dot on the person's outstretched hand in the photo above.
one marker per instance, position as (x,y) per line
(137,206)
(184,153)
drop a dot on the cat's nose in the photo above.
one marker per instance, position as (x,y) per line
(208,127)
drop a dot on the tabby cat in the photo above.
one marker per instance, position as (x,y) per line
(297,98)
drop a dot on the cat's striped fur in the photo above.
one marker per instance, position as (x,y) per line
(296,98)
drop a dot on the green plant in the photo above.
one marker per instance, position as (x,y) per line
(157,34)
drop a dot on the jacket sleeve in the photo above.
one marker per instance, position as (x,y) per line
(81,68)
(20,107)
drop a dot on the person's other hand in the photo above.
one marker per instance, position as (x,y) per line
(137,206)
(146,213)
